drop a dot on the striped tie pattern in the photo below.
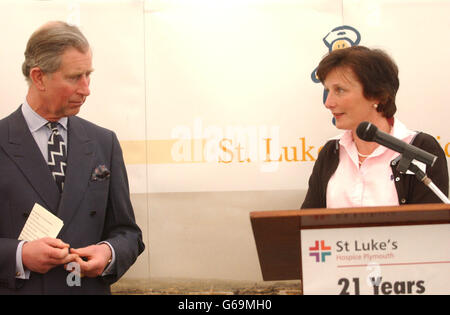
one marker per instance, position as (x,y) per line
(56,155)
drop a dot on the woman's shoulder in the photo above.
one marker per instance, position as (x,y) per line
(425,140)
(330,147)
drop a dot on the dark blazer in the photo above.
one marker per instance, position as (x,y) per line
(92,210)
(409,189)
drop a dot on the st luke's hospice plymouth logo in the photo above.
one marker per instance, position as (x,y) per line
(340,37)
(320,251)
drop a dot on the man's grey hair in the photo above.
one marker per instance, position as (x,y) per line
(47,44)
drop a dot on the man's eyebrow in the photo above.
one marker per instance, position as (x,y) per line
(77,73)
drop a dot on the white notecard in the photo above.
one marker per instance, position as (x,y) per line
(41,223)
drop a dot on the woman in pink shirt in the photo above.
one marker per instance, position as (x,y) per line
(361,85)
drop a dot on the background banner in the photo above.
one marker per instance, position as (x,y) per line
(217,106)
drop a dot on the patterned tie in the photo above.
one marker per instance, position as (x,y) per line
(57,155)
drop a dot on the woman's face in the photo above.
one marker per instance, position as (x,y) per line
(346,100)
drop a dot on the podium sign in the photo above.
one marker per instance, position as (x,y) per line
(382,260)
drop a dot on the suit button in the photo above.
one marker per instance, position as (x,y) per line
(403,200)
(26,214)
(92,213)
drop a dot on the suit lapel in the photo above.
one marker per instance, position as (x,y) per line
(24,151)
(80,158)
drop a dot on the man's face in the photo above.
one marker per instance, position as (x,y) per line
(67,88)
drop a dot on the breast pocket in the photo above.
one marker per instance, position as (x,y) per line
(98,195)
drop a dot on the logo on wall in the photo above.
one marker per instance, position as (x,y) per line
(340,37)
(320,251)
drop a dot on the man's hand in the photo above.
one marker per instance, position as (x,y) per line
(46,253)
(93,259)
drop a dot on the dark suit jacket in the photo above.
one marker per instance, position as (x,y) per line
(92,211)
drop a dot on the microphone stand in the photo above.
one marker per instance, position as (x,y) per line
(405,164)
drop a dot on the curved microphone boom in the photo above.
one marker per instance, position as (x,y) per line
(369,132)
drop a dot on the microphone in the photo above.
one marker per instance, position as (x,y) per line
(368,132)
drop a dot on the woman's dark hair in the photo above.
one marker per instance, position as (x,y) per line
(375,70)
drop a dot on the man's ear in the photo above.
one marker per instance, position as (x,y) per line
(37,78)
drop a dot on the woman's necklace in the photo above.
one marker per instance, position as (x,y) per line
(362,155)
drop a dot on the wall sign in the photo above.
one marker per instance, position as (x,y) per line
(393,260)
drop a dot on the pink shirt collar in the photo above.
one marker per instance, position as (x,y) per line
(398,130)
(372,184)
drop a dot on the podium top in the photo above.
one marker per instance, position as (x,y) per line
(367,216)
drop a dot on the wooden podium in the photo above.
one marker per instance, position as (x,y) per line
(277,233)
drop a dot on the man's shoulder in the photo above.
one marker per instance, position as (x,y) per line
(90,127)
(10,116)
(4,122)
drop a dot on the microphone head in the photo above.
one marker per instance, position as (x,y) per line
(366,131)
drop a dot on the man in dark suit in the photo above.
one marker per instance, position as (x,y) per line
(88,191)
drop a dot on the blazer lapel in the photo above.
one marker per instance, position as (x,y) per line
(24,151)
(80,158)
